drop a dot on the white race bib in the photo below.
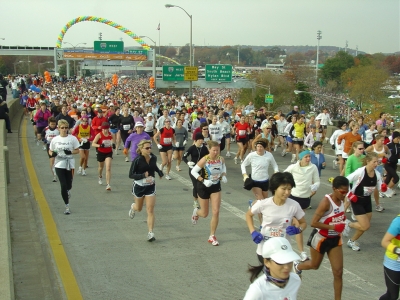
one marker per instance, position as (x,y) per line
(167,141)
(270,232)
(107,143)
(242,132)
(126,127)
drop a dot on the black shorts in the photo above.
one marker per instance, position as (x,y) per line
(40,129)
(304,202)
(85,146)
(252,136)
(205,192)
(140,191)
(150,133)
(102,156)
(362,206)
(31,108)
(301,143)
(178,148)
(242,140)
(263,185)
(324,126)
(323,244)
(166,148)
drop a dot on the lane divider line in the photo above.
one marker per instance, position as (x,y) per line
(64,268)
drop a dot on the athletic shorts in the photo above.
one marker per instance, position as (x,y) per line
(166,148)
(140,191)
(228,136)
(114,130)
(242,140)
(323,244)
(150,133)
(85,146)
(304,202)
(102,156)
(289,139)
(40,129)
(252,136)
(31,108)
(205,192)
(263,185)
(301,143)
(362,206)
(178,148)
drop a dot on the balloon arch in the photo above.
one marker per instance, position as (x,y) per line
(99,20)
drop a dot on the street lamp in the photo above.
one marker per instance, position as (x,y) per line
(19,62)
(316,63)
(74,48)
(43,63)
(191,45)
(154,58)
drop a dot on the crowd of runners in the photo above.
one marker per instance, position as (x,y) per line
(133,121)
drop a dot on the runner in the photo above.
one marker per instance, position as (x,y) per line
(133,140)
(114,121)
(328,222)
(62,147)
(167,139)
(349,138)
(150,125)
(288,130)
(197,151)
(265,134)
(85,134)
(103,143)
(280,126)
(333,141)
(242,130)
(209,171)
(298,135)
(51,132)
(325,121)
(392,178)
(127,123)
(41,118)
(181,136)
(317,157)
(142,171)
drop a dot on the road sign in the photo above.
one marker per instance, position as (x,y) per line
(221,73)
(173,73)
(81,54)
(138,52)
(190,73)
(108,46)
(269,98)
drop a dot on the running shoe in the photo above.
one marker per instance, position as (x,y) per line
(241,161)
(100,181)
(54,178)
(195,217)
(293,158)
(275,148)
(80,170)
(44,148)
(178,168)
(389,193)
(347,228)
(379,208)
(150,237)
(69,194)
(283,153)
(116,152)
(131,212)
(196,204)
(295,268)
(235,160)
(108,188)
(382,195)
(167,177)
(348,210)
(353,245)
(119,148)
(353,217)
(213,240)
(37,143)
(67,211)
(303,256)
(334,165)
(228,154)
(83,172)
(161,167)
(126,159)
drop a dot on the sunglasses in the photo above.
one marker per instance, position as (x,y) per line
(342,192)
(64,127)
(147,148)
(205,129)
(360,148)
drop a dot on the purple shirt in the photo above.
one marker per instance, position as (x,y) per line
(133,140)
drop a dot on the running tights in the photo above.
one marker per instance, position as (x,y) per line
(392,280)
(65,178)
(391,174)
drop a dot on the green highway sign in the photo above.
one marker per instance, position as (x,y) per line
(173,73)
(138,52)
(269,98)
(222,73)
(108,46)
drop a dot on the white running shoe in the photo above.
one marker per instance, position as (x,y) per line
(379,208)
(178,168)
(132,212)
(275,147)
(353,217)
(83,172)
(283,153)
(347,228)
(80,170)
(353,245)
(303,256)
(382,195)
(389,193)
(126,159)
(37,143)
(213,240)
(235,160)
(228,154)
(167,177)
(293,158)
(150,237)
(196,204)
(44,148)
(54,178)
(108,188)
(116,151)
(100,181)
(67,211)
(195,217)
(161,167)
(334,164)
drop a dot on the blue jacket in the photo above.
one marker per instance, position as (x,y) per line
(315,161)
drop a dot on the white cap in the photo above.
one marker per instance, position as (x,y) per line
(137,124)
(279,250)
(149,114)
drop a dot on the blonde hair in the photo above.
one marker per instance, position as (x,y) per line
(355,144)
(370,156)
(62,122)
(211,144)
(141,145)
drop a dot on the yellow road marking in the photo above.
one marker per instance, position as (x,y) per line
(64,268)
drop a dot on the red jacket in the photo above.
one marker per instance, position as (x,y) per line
(96,123)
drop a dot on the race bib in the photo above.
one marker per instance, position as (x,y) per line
(215,177)
(368,190)
(270,232)
(107,143)
(242,132)
(126,127)
(167,141)
(148,181)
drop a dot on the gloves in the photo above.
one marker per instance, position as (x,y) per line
(54,154)
(159,146)
(102,145)
(352,197)
(67,152)
(384,187)
(339,147)
(223,179)
(177,144)
(339,227)
(84,140)
(191,164)
(207,182)
(125,151)
(184,142)
(292,230)
(384,160)
(314,187)
(257,237)
(113,146)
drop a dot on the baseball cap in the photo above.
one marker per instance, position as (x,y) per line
(149,114)
(279,250)
(100,110)
(198,136)
(395,134)
(137,124)
(105,125)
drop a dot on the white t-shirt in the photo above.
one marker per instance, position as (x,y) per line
(149,125)
(276,218)
(261,289)
(259,165)
(59,144)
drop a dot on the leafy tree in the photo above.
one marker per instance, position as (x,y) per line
(63,70)
(334,67)
(303,100)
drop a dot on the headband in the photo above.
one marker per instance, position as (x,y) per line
(262,143)
(304,153)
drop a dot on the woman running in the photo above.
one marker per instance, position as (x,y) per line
(298,134)
(181,136)
(62,147)
(317,157)
(51,132)
(265,134)
(197,151)
(349,138)
(392,178)
(328,222)
(242,130)
(127,123)
(167,139)
(288,130)
(114,121)
(85,135)
(142,171)
(209,171)
(333,141)
(41,118)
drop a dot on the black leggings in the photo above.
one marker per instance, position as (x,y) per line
(65,178)
(194,182)
(391,174)
(392,279)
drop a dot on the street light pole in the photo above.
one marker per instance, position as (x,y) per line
(191,60)
(74,49)
(154,59)
(316,63)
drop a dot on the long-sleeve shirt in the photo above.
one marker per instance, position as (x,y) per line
(215,132)
(41,117)
(195,153)
(133,140)
(259,165)
(140,166)
(349,139)
(304,177)
(181,135)
(325,119)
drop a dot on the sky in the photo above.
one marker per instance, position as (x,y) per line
(372,25)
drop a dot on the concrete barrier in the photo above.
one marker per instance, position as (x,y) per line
(6,271)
